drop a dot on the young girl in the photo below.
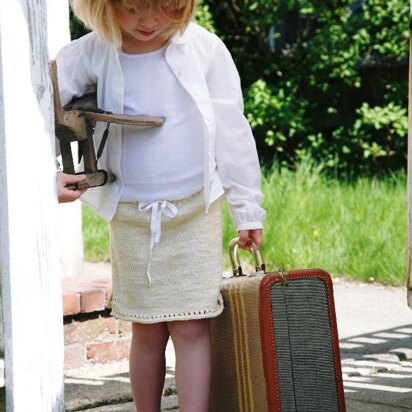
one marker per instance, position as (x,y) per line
(148,57)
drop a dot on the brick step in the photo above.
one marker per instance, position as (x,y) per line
(91,335)
(85,295)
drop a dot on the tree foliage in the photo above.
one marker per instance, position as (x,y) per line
(322,77)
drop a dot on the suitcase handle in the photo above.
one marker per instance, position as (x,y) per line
(234,258)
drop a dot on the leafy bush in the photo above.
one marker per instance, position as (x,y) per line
(325,78)
(265,106)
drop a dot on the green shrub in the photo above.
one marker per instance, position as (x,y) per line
(325,78)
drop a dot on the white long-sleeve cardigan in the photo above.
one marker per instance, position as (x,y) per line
(206,70)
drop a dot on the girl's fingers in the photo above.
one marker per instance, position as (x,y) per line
(246,237)
(66,195)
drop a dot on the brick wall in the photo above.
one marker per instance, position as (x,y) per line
(91,335)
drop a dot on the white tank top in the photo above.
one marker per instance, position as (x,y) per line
(162,163)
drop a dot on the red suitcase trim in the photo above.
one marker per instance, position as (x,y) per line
(268,339)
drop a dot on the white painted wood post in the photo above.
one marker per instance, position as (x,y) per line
(31,287)
(69,214)
(409,262)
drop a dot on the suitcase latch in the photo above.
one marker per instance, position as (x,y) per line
(284,276)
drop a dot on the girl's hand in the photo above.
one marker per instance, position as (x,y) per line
(246,237)
(67,195)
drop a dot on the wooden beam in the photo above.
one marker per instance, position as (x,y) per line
(31,286)
(137,121)
(58,110)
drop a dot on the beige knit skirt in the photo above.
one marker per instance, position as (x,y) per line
(180,278)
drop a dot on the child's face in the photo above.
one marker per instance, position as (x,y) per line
(142,27)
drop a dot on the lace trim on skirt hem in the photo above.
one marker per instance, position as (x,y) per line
(168,317)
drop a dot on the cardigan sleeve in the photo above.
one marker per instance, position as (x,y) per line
(74,69)
(235,148)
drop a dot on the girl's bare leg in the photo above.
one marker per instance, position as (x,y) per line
(148,365)
(192,346)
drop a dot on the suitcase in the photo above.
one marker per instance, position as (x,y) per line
(275,347)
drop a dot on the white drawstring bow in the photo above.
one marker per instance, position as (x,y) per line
(158,207)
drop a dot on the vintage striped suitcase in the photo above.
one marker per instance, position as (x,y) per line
(275,347)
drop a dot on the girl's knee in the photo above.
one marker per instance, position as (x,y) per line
(189,330)
(150,334)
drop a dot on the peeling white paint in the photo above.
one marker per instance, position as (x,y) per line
(31,289)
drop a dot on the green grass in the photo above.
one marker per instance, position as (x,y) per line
(96,238)
(355,229)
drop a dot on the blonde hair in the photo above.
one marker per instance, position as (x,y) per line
(99,15)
